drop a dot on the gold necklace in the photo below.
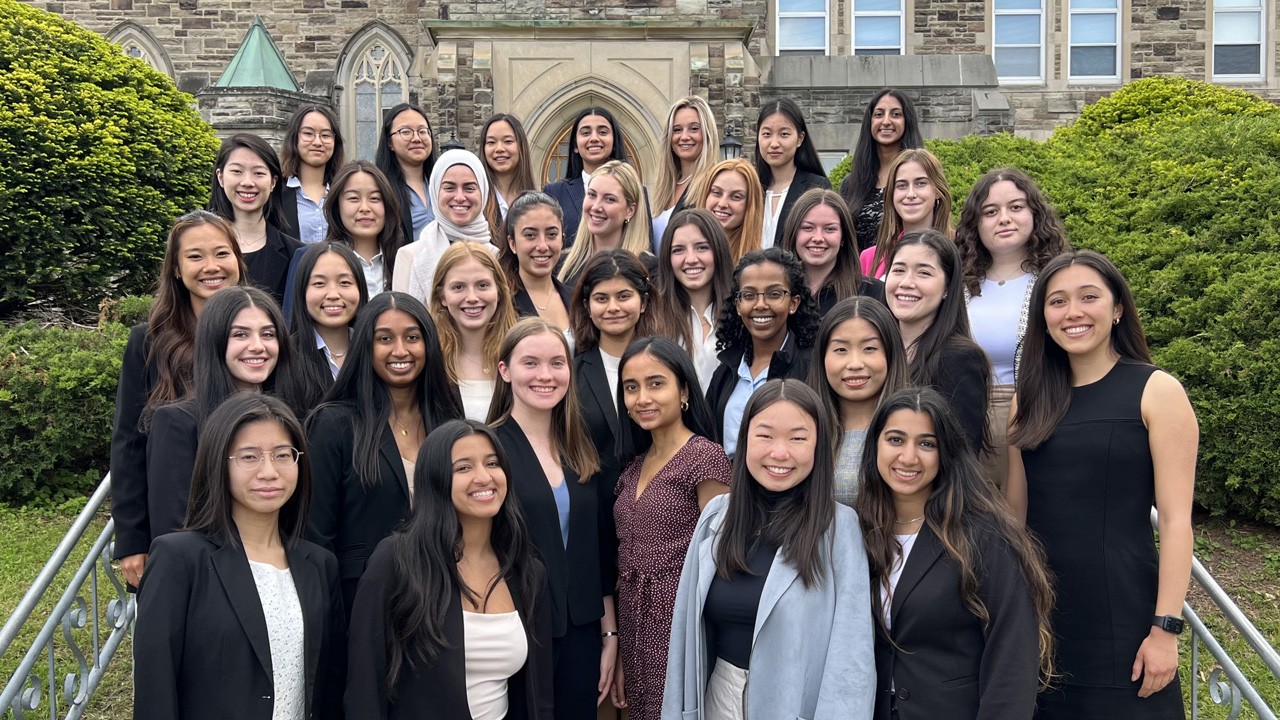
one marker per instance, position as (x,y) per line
(908,522)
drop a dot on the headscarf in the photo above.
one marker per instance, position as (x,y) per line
(441,232)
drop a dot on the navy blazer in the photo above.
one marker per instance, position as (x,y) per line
(940,658)
(802,182)
(569,194)
(129,446)
(791,361)
(438,689)
(575,574)
(269,267)
(203,651)
(347,517)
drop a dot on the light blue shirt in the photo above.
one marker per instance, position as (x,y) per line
(421,214)
(561,493)
(737,405)
(311,223)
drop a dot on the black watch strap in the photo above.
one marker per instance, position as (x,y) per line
(1169,623)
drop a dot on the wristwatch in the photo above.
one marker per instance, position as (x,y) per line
(1169,623)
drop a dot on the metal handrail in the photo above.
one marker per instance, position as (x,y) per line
(24,690)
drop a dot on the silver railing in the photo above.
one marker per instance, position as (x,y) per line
(1228,685)
(66,673)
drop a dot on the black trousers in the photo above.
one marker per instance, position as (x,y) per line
(575,659)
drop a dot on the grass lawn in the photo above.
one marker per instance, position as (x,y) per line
(1244,558)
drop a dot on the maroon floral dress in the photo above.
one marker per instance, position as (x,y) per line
(653,536)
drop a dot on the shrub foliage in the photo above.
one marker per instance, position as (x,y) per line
(98,154)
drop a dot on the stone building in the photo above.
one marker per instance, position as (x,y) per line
(973,65)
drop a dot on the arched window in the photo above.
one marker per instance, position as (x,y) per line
(557,162)
(374,79)
(138,43)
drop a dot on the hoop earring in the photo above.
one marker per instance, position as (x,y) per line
(684,405)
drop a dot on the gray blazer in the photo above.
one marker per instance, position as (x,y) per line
(812,656)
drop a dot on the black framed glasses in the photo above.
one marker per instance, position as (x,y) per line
(749,297)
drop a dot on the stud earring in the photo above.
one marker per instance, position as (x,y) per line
(1116,321)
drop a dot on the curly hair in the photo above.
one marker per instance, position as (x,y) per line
(803,323)
(1048,236)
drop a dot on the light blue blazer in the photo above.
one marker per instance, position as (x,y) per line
(812,657)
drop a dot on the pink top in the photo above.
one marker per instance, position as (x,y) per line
(865,259)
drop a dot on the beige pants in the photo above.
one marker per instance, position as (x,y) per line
(726,693)
(995,463)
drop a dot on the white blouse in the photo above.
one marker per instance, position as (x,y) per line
(703,351)
(495,648)
(285,635)
(476,396)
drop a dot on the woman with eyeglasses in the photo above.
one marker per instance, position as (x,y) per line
(765,334)
(406,155)
(243,616)
(310,155)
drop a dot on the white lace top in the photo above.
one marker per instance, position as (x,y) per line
(495,648)
(285,634)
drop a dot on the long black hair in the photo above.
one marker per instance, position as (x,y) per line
(797,525)
(607,265)
(359,389)
(290,163)
(220,204)
(213,382)
(803,323)
(313,372)
(426,551)
(209,506)
(386,157)
(633,441)
(806,158)
(573,168)
(860,184)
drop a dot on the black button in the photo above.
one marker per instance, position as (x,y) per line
(904,694)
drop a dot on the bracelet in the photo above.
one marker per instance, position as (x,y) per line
(611,633)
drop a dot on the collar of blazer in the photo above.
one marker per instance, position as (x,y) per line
(597,383)
(391,455)
(232,567)
(782,359)
(924,553)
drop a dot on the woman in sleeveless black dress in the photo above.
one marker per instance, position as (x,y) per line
(1098,435)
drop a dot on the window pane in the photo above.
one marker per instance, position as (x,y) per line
(1236,27)
(1219,4)
(876,51)
(1093,28)
(1018,62)
(876,31)
(1237,60)
(1086,4)
(877,6)
(1017,29)
(1093,61)
(802,6)
(802,32)
(1017,4)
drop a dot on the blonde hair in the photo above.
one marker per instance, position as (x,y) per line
(891,224)
(635,234)
(669,164)
(747,237)
(504,316)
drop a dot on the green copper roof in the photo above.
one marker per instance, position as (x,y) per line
(258,63)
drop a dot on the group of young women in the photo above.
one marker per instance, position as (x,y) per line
(735,446)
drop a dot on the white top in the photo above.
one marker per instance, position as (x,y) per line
(495,648)
(772,214)
(994,319)
(703,352)
(409,466)
(476,396)
(660,227)
(373,273)
(886,593)
(611,364)
(285,636)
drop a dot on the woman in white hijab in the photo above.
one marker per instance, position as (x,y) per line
(459,187)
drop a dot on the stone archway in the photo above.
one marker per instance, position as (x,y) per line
(547,124)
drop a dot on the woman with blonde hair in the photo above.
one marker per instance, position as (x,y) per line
(918,198)
(471,306)
(731,190)
(691,147)
(609,219)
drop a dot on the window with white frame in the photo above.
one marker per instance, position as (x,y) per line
(1237,39)
(1019,40)
(802,27)
(1094,30)
(878,27)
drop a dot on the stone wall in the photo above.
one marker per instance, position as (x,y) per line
(945,27)
(1168,37)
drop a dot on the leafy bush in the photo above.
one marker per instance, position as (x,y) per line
(128,310)
(57,400)
(98,154)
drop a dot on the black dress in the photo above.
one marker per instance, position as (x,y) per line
(1089,493)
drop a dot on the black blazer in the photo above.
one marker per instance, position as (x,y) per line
(576,577)
(964,379)
(347,518)
(867,287)
(439,689)
(129,447)
(171,457)
(569,194)
(289,209)
(792,361)
(945,663)
(802,182)
(269,267)
(203,651)
(595,399)
(524,303)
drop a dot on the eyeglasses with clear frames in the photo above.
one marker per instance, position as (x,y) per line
(308,135)
(407,134)
(250,460)
(772,297)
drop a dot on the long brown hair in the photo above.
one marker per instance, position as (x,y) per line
(846,276)
(670,303)
(569,437)
(963,510)
(604,266)
(172,323)
(504,315)
(891,224)
(1048,236)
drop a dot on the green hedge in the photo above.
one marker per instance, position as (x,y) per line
(98,154)
(1176,181)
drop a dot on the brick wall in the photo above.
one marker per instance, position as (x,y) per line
(1168,38)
